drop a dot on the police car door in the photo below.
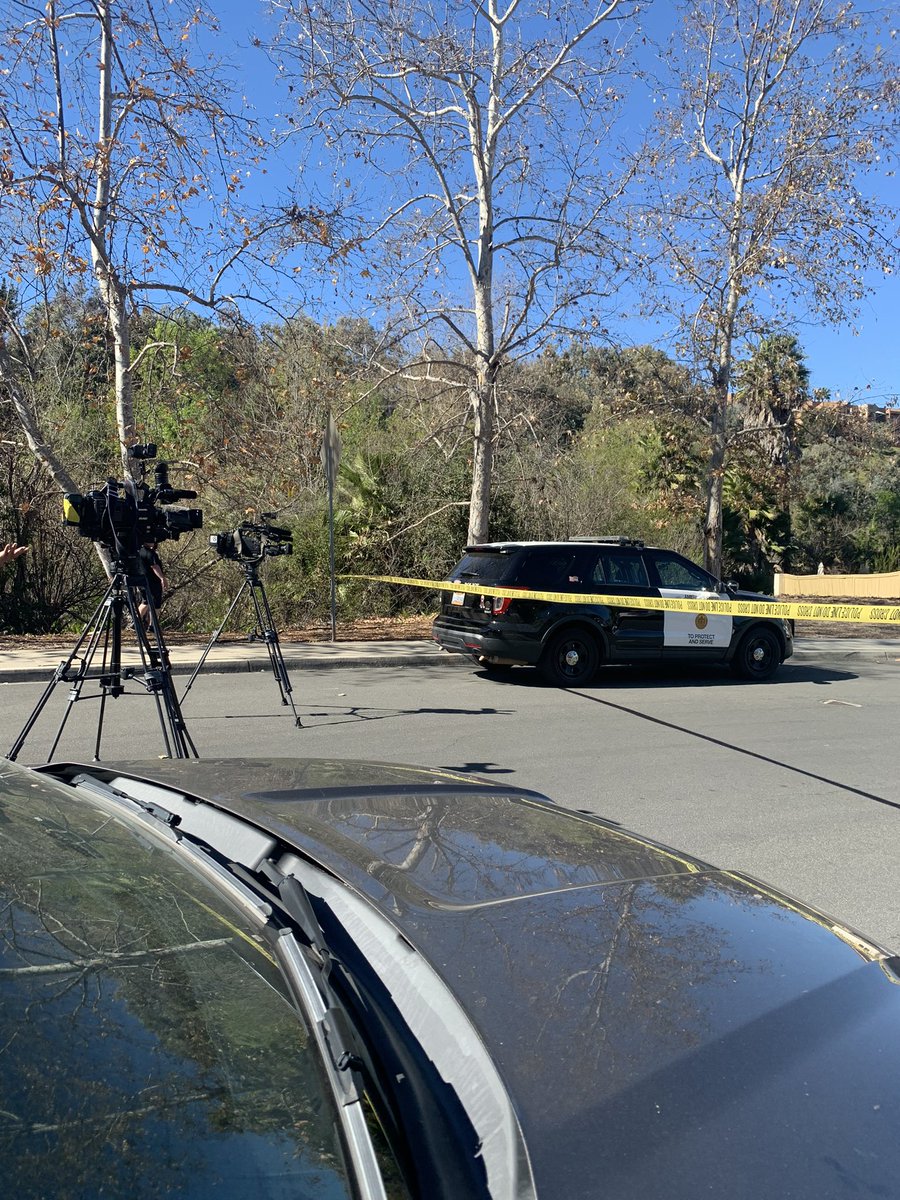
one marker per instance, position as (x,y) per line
(689,634)
(633,632)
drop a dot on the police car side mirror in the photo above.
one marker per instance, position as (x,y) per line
(728,585)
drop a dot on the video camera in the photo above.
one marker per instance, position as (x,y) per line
(122,516)
(251,543)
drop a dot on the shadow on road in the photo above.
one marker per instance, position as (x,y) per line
(339,714)
(676,675)
(714,741)
(480,768)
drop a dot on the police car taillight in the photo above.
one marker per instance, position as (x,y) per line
(498,604)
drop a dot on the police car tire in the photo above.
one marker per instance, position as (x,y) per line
(570,658)
(758,656)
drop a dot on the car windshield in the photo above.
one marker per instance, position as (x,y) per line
(676,573)
(485,566)
(147,1046)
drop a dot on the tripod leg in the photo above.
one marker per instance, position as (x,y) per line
(112,620)
(273,646)
(95,625)
(158,681)
(212,641)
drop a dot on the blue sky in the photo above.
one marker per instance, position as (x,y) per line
(859,363)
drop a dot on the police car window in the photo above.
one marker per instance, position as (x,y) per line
(485,566)
(676,573)
(548,570)
(627,569)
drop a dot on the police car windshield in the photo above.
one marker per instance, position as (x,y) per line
(487,566)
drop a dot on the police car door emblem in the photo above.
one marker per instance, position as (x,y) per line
(701,620)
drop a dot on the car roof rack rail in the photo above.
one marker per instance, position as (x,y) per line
(638,543)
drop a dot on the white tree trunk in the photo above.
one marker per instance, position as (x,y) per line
(483,400)
(41,449)
(111,287)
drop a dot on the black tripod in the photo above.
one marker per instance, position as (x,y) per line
(264,631)
(127,588)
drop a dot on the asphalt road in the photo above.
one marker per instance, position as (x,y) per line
(795,781)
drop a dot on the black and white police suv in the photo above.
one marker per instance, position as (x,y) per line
(568,642)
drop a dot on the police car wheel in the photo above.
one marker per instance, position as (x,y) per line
(758,656)
(570,658)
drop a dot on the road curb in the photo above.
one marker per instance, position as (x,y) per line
(427,655)
(871,649)
(293,664)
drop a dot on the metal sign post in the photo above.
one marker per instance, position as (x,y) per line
(331,458)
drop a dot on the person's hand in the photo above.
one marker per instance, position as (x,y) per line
(11,551)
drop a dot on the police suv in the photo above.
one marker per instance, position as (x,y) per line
(568,642)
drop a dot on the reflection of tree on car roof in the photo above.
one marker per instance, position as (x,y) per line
(529,998)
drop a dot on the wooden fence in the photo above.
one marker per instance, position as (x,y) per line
(883,586)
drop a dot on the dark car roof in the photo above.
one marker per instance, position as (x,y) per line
(619,543)
(662,1028)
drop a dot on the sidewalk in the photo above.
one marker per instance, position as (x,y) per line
(32,664)
(35,664)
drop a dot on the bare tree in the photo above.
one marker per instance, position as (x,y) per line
(118,160)
(777,121)
(477,137)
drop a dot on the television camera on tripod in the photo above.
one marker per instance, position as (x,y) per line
(121,516)
(248,545)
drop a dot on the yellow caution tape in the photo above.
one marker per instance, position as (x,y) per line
(875,614)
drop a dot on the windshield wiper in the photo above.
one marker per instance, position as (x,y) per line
(307,974)
(344,1043)
(369,1041)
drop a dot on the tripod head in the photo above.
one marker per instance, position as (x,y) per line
(250,568)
